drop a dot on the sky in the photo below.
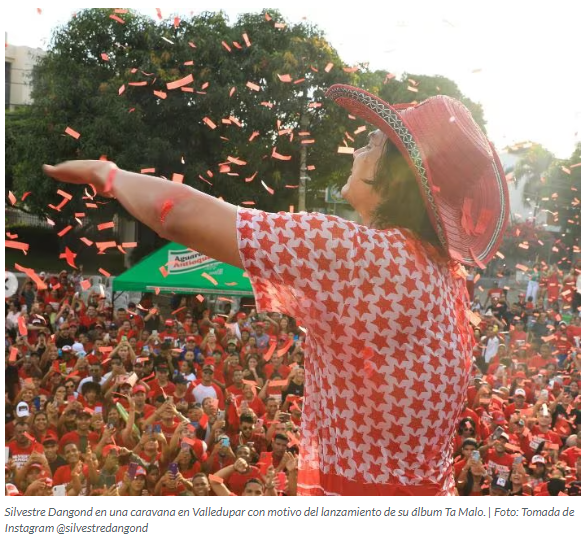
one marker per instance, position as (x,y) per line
(521,61)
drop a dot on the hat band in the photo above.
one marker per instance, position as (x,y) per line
(394,120)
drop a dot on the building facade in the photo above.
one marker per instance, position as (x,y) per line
(18,67)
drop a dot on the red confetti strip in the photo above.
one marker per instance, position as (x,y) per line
(181,82)
(13,355)
(177,178)
(164,271)
(280,157)
(209,123)
(72,133)
(200,298)
(253,86)
(346,150)
(105,226)
(86,241)
(328,67)
(17,245)
(210,278)
(226,46)
(11,197)
(116,18)
(22,328)
(104,272)
(267,188)
(85,284)
(161,95)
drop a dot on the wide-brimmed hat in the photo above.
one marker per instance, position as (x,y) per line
(460,176)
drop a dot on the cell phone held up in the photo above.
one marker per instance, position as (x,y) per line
(497,433)
(132,469)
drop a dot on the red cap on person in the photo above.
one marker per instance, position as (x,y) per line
(139,388)
(169,323)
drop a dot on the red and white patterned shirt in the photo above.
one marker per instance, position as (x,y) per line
(388,349)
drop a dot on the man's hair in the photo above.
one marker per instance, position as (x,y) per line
(200,475)
(248,418)
(255,481)
(402,205)
(281,437)
(469,442)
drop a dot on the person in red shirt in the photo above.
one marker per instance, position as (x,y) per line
(75,474)
(221,456)
(498,460)
(542,432)
(518,404)
(169,333)
(275,368)
(463,455)
(161,382)
(22,446)
(247,436)
(518,337)
(181,395)
(543,359)
(81,436)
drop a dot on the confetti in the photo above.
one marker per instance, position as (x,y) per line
(85,285)
(86,241)
(69,257)
(105,226)
(284,78)
(346,150)
(104,272)
(246,40)
(253,86)
(116,18)
(164,271)
(209,123)
(328,67)
(211,279)
(72,133)
(64,231)
(177,178)
(181,82)
(200,298)
(226,46)
(268,189)
(161,95)
(104,57)
(13,355)
(236,161)
(521,267)
(280,157)
(147,170)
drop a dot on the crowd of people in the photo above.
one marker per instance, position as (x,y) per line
(103,401)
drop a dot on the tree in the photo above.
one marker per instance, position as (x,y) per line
(108,81)
(532,166)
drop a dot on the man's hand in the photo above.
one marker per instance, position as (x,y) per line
(241,466)
(93,173)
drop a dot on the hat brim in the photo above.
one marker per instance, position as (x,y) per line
(488,193)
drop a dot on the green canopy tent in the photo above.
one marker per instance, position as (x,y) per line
(177,269)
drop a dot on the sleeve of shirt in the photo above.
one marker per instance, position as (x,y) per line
(291,258)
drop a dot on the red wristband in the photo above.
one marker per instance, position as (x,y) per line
(110,179)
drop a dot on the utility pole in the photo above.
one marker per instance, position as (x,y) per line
(304,122)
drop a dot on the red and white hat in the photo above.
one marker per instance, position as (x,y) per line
(460,176)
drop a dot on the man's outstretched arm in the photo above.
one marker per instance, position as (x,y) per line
(173,210)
